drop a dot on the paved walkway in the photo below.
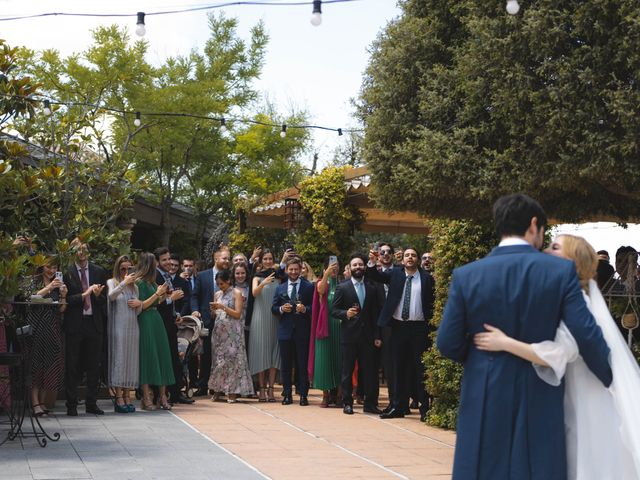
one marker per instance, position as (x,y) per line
(246,440)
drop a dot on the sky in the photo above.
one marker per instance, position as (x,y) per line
(314,68)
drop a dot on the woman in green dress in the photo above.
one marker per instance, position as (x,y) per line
(155,358)
(326,332)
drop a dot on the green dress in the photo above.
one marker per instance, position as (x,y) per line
(328,364)
(155,359)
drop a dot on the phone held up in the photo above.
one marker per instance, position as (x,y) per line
(131,270)
(333,259)
(58,276)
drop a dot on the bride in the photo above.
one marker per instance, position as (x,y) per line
(602,425)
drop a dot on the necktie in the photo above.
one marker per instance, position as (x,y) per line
(85,285)
(406,302)
(360,293)
(294,293)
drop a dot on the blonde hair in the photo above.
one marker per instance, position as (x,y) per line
(311,276)
(146,268)
(116,267)
(583,255)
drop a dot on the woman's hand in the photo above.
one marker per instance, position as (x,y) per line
(134,303)
(493,340)
(129,279)
(162,289)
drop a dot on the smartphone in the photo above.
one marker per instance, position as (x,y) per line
(376,246)
(58,276)
(131,270)
(333,259)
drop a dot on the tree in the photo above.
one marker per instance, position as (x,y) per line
(463,103)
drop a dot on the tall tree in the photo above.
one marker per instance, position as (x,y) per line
(463,103)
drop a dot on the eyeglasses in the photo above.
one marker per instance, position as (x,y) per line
(425,258)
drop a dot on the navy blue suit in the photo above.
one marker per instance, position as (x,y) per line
(511,423)
(201,295)
(294,330)
(409,339)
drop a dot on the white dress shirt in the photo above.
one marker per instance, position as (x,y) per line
(79,268)
(415,307)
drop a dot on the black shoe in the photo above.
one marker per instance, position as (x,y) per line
(94,409)
(72,411)
(393,413)
(287,400)
(375,410)
(201,392)
(348,410)
(183,399)
(387,409)
(414,404)
(304,401)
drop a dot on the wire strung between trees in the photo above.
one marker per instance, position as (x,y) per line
(175,11)
(222,120)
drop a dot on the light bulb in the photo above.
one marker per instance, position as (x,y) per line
(316,16)
(513,7)
(140,30)
(316,19)
(137,122)
(47,108)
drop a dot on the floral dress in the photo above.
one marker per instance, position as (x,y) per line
(229,369)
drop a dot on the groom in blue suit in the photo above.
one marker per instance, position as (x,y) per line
(511,423)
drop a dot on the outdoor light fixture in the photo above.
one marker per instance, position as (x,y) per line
(513,7)
(137,122)
(223,124)
(47,108)
(339,132)
(283,133)
(316,16)
(140,30)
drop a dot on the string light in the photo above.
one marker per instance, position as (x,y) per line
(140,29)
(316,16)
(137,122)
(283,132)
(513,7)
(339,132)
(223,125)
(47,108)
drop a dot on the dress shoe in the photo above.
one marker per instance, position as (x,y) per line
(94,409)
(183,399)
(369,409)
(72,411)
(304,401)
(393,413)
(287,400)
(348,410)
(387,409)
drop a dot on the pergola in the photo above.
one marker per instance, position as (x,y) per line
(279,209)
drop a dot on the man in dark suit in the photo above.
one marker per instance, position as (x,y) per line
(292,302)
(511,423)
(408,309)
(201,296)
(169,312)
(356,303)
(83,325)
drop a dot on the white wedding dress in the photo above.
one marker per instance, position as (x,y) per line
(602,424)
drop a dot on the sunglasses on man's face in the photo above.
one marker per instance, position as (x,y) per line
(385,252)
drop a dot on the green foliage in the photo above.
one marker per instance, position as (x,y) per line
(330,220)
(463,103)
(456,242)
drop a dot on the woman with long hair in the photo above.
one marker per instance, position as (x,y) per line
(123,334)
(602,425)
(47,357)
(155,358)
(264,354)
(229,370)
(307,273)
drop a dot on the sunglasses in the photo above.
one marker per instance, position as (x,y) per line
(385,252)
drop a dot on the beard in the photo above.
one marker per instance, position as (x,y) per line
(357,273)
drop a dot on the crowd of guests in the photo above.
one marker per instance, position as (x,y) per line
(265,321)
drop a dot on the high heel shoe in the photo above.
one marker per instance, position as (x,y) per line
(270,396)
(146,403)
(262,395)
(164,403)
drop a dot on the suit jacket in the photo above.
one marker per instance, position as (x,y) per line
(166,310)
(290,323)
(364,325)
(183,306)
(396,278)
(511,423)
(75,304)
(202,295)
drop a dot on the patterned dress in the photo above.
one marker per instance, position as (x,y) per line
(229,369)
(123,335)
(47,355)
(155,358)
(328,354)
